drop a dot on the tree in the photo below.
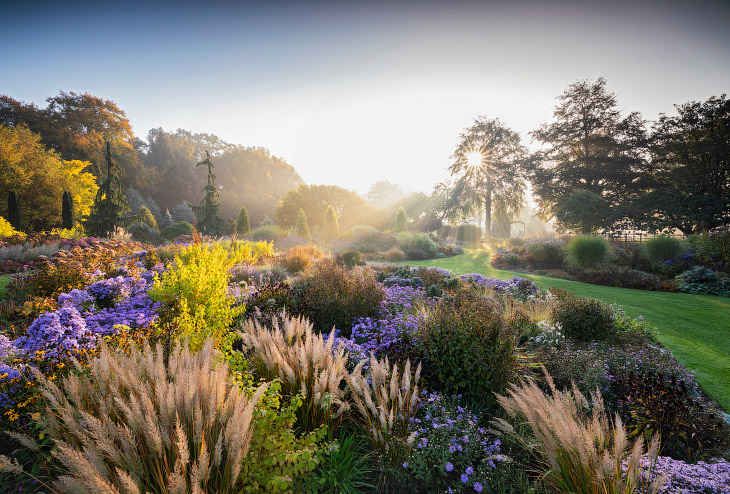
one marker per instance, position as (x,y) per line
(584,212)
(145,216)
(40,176)
(209,223)
(14,216)
(167,220)
(383,193)
(400,223)
(183,212)
(690,186)
(77,126)
(243,225)
(330,227)
(110,204)
(303,226)
(67,211)
(589,146)
(487,168)
(350,208)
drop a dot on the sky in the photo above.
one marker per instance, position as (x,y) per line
(354,92)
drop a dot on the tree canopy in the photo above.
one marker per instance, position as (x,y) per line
(40,177)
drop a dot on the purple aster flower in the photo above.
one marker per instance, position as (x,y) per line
(449,467)
(478,487)
(464,478)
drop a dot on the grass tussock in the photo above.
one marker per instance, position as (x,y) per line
(133,424)
(386,400)
(305,362)
(580,448)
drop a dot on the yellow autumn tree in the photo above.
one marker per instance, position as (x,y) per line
(39,176)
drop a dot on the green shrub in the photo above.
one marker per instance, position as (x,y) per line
(587,251)
(143,232)
(345,469)
(662,248)
(176,229)
(394,255)
(621,277)
(585,319)
(350,258)
(268,233)
(372,241)
(332,296)
(468,234)
(700,279)
(466,349)
(417,246)
(278,460)
(243,225)
(546,254)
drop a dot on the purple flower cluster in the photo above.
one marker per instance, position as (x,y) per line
(702,478)
(106,292)
(391,334)
(57,334)
(520,287)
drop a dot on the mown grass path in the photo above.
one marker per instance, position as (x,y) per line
(695,328)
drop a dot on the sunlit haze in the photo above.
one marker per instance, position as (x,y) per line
(354,93)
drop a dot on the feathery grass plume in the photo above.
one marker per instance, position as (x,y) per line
(306,363)
(134,424)
(536,308)
(387,401)
(581,451)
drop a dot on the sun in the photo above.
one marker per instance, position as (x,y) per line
(474,159)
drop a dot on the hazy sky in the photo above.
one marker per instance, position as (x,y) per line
(350,93)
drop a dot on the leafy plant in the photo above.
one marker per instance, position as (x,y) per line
(546,254)
(344,469)
(585,319)
(662,248)
(587,251)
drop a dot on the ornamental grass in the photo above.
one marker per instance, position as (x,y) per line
(305,362)
(134,424)
(386,400)
(580,449)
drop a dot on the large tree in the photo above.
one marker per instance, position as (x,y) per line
(487,171)
(110,206)
(77,126)
(690,187)
(40,177)
(589,146)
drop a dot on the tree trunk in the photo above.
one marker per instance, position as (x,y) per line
(488,211)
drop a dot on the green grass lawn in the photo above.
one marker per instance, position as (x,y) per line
(695,328)
(4,282)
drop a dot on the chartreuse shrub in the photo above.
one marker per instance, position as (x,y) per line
(7,230)
(579,448)
(140,423)
(585,319)
(466,349)
(588,251)
(303,361)
(194,292)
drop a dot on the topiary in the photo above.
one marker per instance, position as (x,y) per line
(585,319)
(303,226)
(67,211)
(587,251)
(330,228)
(243,225)
(662,248)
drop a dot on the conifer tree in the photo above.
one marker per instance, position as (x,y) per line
(144,215)
(303,226)
(209,223)
(67,211)
(243,226)
(14,216)
(330,228)
(167,219)
(110,204)
(400,224)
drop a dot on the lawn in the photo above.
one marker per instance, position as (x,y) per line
(4,282)
(696,328)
